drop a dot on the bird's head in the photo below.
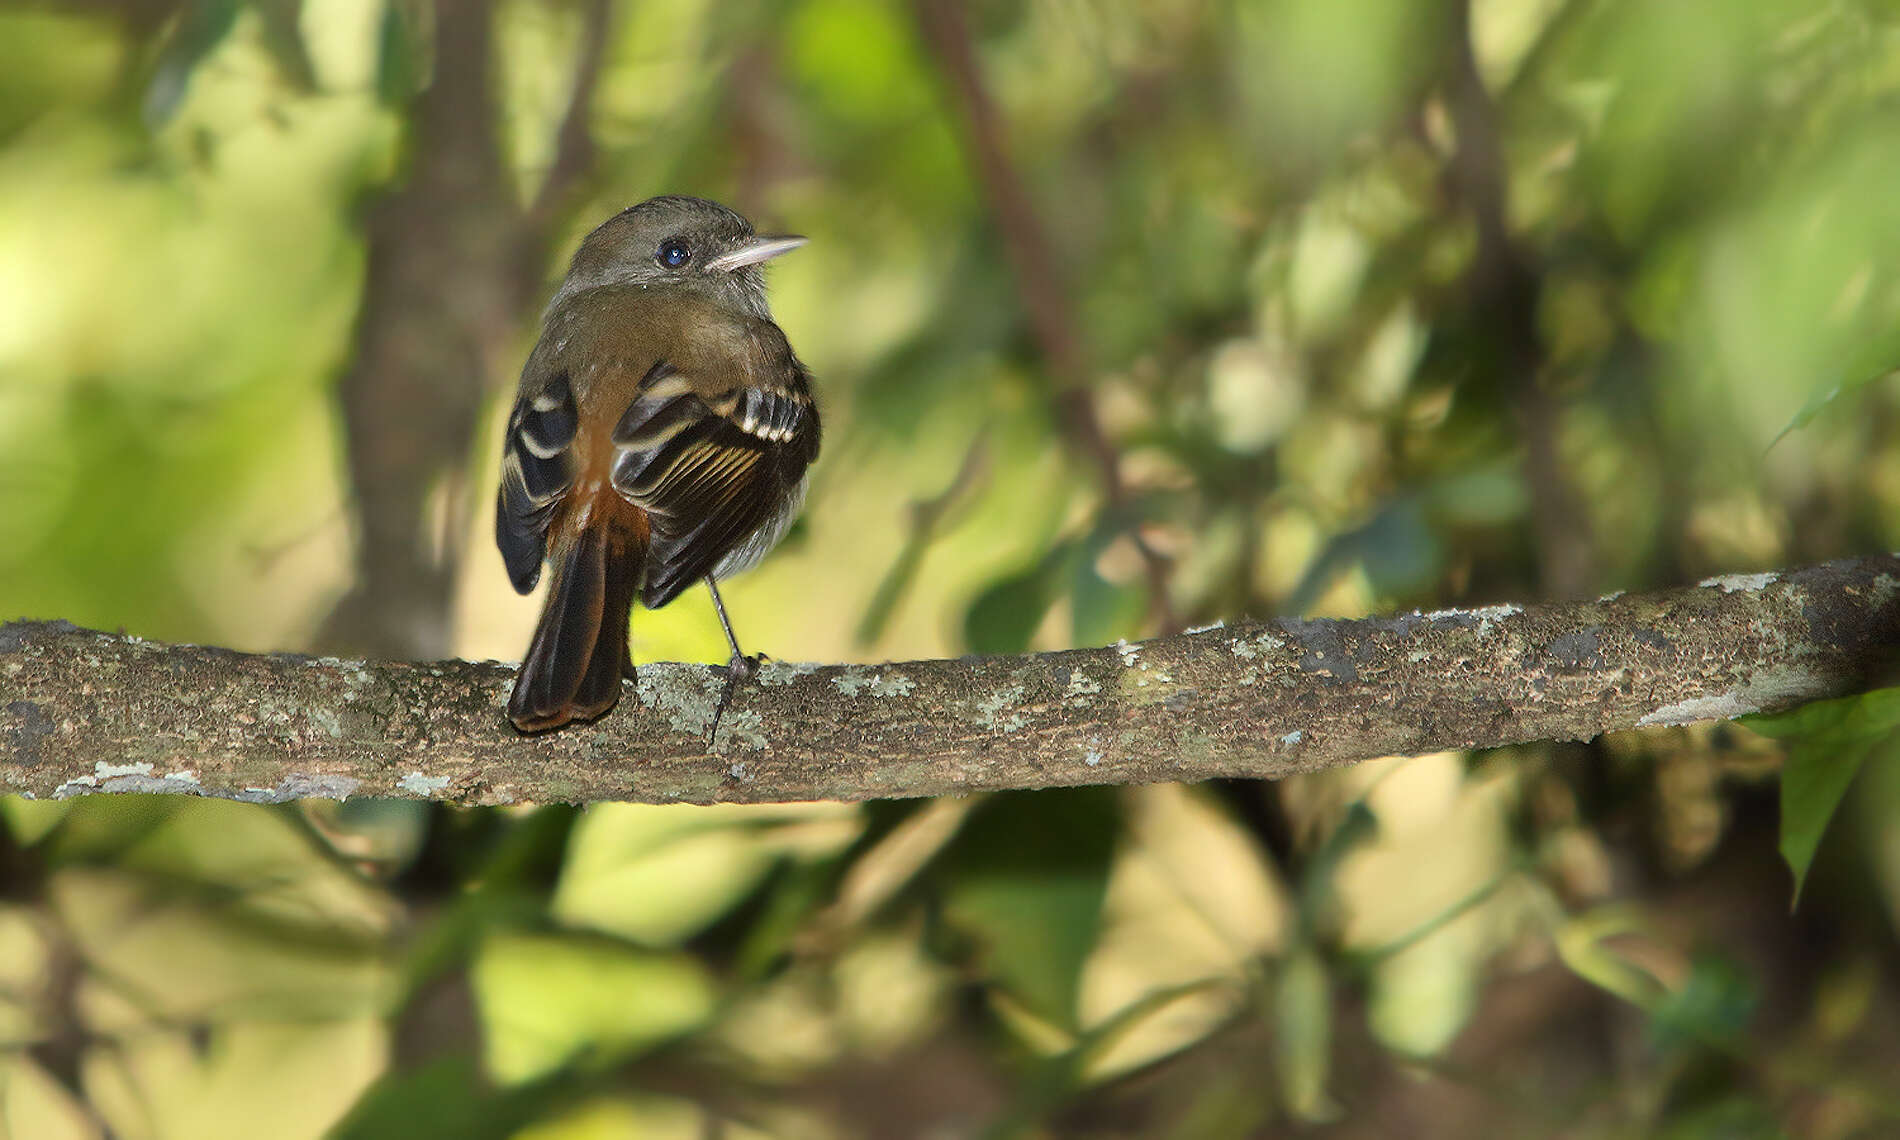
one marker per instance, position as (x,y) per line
(689,243)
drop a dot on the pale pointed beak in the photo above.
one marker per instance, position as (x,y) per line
(764,247)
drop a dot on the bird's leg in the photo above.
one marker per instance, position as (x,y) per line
(741,665)
(739,668)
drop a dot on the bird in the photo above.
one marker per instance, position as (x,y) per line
(662,435)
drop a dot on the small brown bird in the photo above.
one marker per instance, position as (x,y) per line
(661,435)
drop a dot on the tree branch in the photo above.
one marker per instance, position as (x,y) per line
(575,150)
(82,711)
(437,319)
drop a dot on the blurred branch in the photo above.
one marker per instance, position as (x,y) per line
(453,265)
(1033,261)
(1503,286)
(440,300)
(574,148)
(926,515)
(82,711)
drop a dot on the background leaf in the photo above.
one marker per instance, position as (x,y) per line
(1828,742)
(1004,616)
(1025,880)
(202,25)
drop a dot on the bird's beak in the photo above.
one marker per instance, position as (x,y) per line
(764,247)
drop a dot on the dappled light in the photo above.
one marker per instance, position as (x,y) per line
(1125,319)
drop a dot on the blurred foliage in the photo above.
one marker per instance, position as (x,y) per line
(1381,304)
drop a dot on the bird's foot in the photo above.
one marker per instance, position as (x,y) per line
(740,668)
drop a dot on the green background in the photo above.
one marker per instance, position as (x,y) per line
(1378,304)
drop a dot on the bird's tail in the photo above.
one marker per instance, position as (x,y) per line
(579,653)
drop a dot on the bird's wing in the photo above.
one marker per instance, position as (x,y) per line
(714,447)
(535,473)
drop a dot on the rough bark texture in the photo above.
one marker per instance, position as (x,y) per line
(439,307)
(88,712)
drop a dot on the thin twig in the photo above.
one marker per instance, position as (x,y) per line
(1038,279)
(926,516)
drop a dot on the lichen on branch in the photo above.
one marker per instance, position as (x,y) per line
(84,712)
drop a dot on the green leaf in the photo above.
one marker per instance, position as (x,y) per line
(399,54)
(1820,398)
(1026,877)
(1318,884)
(548,1001)
(1303,1034)
(283,38)
(1400,553)
(1005,615)
(200,29)
(1396,547)
(1063,1077)
(1712,1007)
(1828,743)
(1589,944)
(1485,496)
(1104,610)
(447,1096)
(927,518)
(657,874)
(30,821)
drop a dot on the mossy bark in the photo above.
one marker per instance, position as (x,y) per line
(83,712)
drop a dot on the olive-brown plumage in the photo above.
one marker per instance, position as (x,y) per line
(661,436)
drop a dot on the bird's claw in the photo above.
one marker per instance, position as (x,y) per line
(741,668)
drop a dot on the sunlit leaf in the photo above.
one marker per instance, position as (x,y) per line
(29,821)
(949,358)
(857,58)
(1828,741)
(656,874)
(926,520)
(248,959)
(550,1000)
(1585,943)
(37,1105)
(1424,994)
(237,1078)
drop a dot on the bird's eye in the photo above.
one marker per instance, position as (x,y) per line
(674,254)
